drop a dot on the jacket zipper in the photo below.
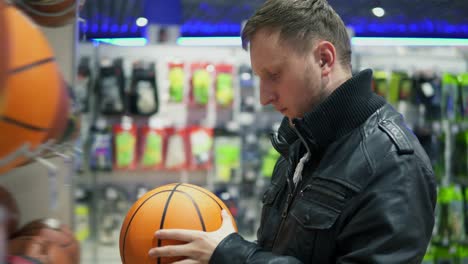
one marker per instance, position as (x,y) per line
(291,195)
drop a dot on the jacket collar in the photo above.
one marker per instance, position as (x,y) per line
(349,106)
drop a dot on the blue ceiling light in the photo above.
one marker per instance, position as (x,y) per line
(94,28)
(122,41)
(114,28)
(104,27)
(124,28)
(209,41)
(197,28)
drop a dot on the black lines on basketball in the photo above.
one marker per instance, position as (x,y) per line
(22,124)
(196,208)
(207,194)
(31,65)
(163,218)
(133,216)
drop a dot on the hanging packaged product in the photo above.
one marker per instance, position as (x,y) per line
(442,239)
(112,206)
(82,216)
(428,95)
(462,252)
(400,88)
(176,155)
(201,145)
(224,85)
(111,87)
(125,141)
(100,157)
(153,145)
(429,256)
(82,88)
(201,81)
(460,156)
(463,81)
(380,83)
(449,96)
(227,157)
(269,162)
(248,99)
(143,97)
(176,82)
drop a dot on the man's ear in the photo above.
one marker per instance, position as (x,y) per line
(326,53)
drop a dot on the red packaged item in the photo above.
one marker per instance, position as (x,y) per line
(201,148)
(201,81)
(125,144)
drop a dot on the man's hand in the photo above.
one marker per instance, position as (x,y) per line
(200,245)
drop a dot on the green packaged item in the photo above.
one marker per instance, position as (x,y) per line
(224,89)
(125,149)
(227,157)
(176,84)
(381,83)
(201,86)
(463,81)
(152,155)
(269,162)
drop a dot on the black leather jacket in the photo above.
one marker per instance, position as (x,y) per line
(367,195)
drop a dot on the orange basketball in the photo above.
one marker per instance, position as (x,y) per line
(50,13)
(170,206)
(3,46)
(53,231)
(59,125)
(33,91)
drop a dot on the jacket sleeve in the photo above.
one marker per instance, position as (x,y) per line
(235,250)
(392,220)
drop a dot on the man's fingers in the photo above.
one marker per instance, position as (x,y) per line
(169,251)
(177,234)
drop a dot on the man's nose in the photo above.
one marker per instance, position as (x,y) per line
(266,94)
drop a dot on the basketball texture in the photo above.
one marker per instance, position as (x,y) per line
(33,94)
(53,231)
(181,206)
(50,13)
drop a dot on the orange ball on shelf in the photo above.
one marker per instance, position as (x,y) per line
(181,206)
(33,94)
(50,13)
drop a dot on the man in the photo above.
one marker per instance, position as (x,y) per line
(353,184)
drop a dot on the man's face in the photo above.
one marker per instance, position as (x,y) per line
(290,81)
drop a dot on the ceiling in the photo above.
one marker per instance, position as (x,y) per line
(419,18)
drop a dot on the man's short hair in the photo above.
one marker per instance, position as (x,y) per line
(300,22)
